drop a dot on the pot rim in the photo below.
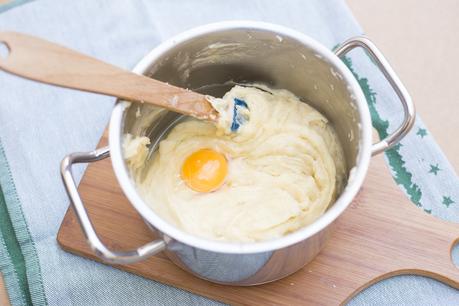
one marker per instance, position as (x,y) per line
(356,176)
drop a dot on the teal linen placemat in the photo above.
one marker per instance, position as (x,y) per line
(40,124)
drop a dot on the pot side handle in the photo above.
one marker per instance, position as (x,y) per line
(110,256)
(394,81)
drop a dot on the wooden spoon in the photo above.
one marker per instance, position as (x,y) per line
(46,62)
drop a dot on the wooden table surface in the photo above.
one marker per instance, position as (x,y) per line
(416,36)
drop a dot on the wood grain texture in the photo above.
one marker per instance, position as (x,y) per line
(40,60)
(4,299)
(380,235)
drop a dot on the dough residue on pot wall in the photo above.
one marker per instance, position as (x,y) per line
(285,167)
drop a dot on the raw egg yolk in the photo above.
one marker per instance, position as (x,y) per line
(204,170)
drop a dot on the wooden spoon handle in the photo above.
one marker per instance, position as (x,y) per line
(46,62)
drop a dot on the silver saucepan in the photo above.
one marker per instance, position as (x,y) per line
(211,59)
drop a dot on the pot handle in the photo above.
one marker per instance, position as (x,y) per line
(116,257)
(394,81)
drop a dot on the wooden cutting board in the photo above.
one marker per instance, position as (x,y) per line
(381,234)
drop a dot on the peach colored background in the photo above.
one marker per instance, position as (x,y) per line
(420,40)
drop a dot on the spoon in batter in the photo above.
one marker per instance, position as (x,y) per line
(40,60)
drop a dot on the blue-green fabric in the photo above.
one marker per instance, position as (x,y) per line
(11,4)
(40,124)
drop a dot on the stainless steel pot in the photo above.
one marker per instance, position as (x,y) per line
(211,59)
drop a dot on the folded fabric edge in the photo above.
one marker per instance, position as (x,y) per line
(20,229)
(11,4)
(17,294)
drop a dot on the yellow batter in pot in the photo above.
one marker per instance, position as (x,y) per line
(285,166)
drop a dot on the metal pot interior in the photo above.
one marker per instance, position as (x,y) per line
(213,63)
